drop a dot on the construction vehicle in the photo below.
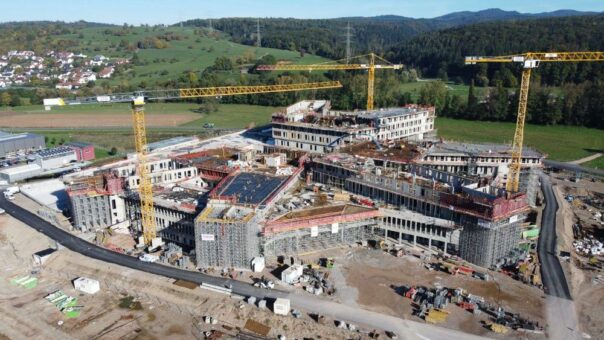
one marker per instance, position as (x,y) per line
(139,98)
(529,61)
(338,65)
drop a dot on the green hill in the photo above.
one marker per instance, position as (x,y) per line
(164,53)
(183,50)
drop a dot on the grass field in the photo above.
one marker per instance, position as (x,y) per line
(192,53)
(597,163)
(562,143)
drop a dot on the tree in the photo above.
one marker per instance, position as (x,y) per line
(472,101)
(223,64)
(5,98)
(209,105)
(113,151)
(434,93)
(192,78)
(15,100)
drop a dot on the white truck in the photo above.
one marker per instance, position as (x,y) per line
(11,191)
(148,258)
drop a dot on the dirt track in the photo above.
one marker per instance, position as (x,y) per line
(101,119)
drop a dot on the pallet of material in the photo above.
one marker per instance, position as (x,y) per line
(437,316)
(186,284)
(26,282)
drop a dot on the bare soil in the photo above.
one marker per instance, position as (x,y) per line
(167,310)
(100,119)
(375,275)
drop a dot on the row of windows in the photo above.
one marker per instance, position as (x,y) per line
(480,159)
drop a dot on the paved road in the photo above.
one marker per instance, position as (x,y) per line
(560,309)
(572,167)
(552,273)
(405,328)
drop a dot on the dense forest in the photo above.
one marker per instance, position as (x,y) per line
(327,37)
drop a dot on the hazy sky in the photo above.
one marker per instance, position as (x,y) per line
(171,11)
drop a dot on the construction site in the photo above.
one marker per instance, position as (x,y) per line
(365,209)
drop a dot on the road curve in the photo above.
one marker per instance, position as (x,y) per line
(405,328)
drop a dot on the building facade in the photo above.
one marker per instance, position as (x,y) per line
(323,131)
(12,144)
(84,151)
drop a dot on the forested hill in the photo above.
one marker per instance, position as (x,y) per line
(442,53)
(326,37)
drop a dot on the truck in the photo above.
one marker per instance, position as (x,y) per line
(11,190)
(148,258)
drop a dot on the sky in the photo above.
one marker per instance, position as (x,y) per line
(152,12)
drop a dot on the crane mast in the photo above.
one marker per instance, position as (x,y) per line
(137,101)
(529,61)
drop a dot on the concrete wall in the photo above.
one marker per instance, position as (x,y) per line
(90,212)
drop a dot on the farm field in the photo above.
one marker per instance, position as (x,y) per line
(118,115)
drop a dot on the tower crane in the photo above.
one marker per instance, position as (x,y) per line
(333,66)
(138,99)
(529,61)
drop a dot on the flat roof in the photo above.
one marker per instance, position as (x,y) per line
(55,152)
(5,136)
(251,187)
(78,144)
(15,170)
(170,142)
(501,150)
(390,112)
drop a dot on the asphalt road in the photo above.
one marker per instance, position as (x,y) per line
(560,308)
(551,270)
(572,167)
(406,329)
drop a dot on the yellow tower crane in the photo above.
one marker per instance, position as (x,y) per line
(529,61)
(138,100)
(334,65)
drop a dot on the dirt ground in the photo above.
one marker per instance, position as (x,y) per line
(586,286)
(368,278)
(74,120)
(167,310)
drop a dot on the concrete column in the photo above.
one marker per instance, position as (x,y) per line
(414,240)
(429,243)
(445,249)
(400,236)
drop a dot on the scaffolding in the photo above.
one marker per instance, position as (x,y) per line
(305,240)
(486,243)
(226,236)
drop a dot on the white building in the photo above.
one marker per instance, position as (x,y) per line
(313,128)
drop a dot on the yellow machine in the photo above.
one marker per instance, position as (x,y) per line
(333,66)
(138,99)
(529,61)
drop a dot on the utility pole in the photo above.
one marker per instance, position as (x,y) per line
(258,38)
(348,51)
